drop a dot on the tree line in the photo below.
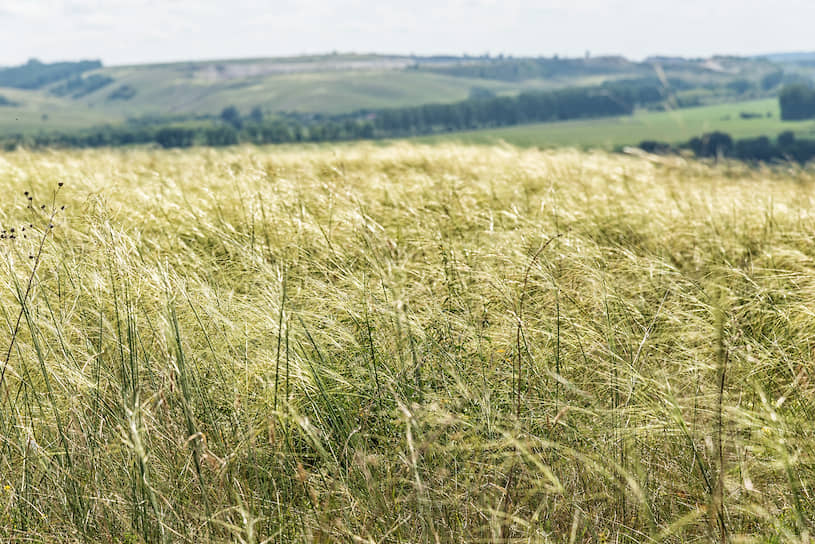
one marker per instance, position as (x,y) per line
(785,147)
(610,99)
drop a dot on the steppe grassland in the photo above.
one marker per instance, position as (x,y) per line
(405,344)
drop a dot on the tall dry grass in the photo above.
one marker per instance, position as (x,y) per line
(405,344)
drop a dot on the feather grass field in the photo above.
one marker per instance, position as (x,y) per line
(405,344)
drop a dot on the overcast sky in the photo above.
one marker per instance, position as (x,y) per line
(134,31)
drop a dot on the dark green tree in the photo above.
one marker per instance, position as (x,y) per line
(175,137)
(256,114)
(797,102)
(772,80)
(221,136)
(232,116)
(786,138)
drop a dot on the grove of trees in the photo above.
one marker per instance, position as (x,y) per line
(797,102)
(786,147)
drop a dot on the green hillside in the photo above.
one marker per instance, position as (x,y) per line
(66,96)
(173,90)
(36,111)
(176,90)
(328,85)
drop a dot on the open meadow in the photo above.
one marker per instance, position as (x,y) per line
(404,343)
(675,127)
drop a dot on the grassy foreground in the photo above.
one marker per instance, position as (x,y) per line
(405,344)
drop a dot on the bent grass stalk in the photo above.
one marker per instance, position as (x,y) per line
(30,283)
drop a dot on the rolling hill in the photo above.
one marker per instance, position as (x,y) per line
(87,94)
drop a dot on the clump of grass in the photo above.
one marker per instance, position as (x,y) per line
(405,344)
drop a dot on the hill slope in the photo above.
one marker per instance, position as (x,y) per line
(64,96)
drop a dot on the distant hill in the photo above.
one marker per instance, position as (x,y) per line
(790,58)
(35,74)
(64,96)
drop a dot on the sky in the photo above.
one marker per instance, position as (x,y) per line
(140,31)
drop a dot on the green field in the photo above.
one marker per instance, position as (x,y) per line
(404,344)
(675,127)
(38,111)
